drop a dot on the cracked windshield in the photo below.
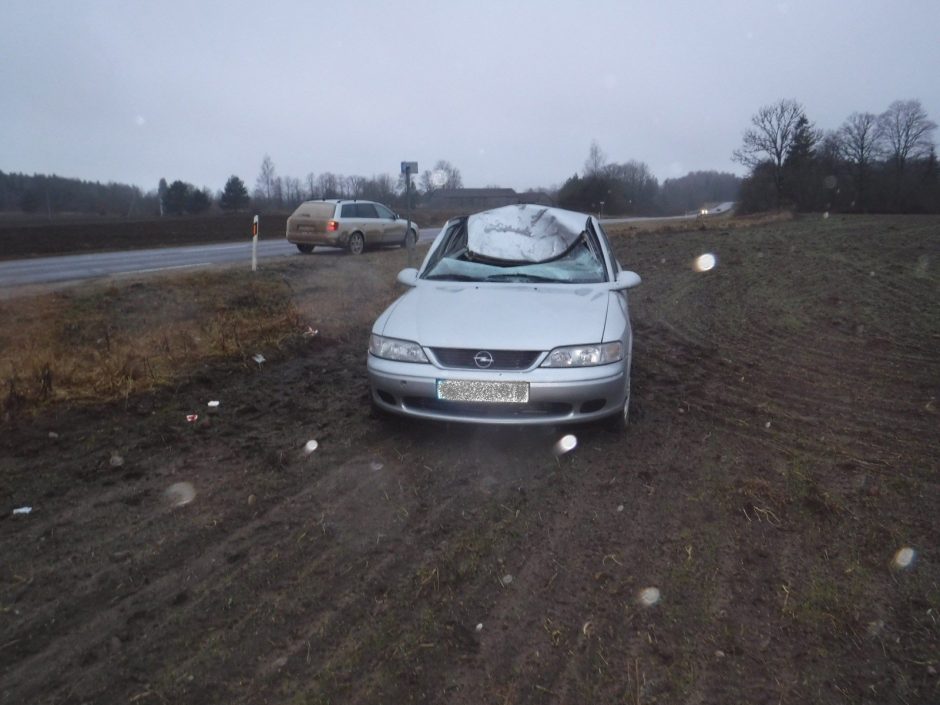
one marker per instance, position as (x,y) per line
(469,353)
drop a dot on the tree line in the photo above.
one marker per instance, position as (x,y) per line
(274,191)
(630,188)
(870,163)
(613,188)
(51,195)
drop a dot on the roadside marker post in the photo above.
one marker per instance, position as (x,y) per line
(254,245)
(409,168)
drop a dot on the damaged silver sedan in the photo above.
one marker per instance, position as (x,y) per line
(517,315)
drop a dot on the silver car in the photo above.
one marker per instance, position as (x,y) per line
(354,225)
(517,315)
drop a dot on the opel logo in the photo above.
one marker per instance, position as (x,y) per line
(483,359)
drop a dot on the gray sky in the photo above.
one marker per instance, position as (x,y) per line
(512,93)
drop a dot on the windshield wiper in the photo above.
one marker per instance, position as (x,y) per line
(518,277)
(451,278)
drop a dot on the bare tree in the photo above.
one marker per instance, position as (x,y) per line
(328,185)
(293,190)
(859,139)
(770,137)
(859,142)
(380,188)
(427,182)
(264,186)
(596,160)
(443,176)
(354,186)
(907,131)
(311,182)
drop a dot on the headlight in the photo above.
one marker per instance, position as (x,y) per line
(584,355)
(394,349)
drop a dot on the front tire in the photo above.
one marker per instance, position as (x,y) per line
(304,248)
(356,244)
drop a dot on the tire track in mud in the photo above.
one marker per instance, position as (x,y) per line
(797,381)
(805,375)
(359,573)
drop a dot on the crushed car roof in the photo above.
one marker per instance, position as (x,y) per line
(524,233)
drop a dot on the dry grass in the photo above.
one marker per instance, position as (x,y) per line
(110,341)
(107,341)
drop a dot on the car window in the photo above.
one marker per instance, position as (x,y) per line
(367,210)
(350,210)
(453,261)
(316,210)
(604,243)
(384,212)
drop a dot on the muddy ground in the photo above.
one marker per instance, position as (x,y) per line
(739,544)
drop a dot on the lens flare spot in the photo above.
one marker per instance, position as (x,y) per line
(648,596)
(310,446)
(705,263)
(904,558)
(180,493)
(565,444)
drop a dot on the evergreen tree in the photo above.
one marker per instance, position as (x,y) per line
(801,183)
(176,198)
(197,202)
(235,195)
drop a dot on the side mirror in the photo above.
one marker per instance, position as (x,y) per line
(408,277)
(394,216)
(625,280)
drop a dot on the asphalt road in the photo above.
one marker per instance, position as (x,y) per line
(68,268)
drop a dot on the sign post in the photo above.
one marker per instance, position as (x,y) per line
(409,168)
(254,245)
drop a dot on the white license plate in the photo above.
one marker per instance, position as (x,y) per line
(495,392)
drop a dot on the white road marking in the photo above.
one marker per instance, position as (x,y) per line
(163,269)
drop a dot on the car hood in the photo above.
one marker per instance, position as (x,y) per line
(498,316)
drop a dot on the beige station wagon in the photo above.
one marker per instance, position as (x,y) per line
(354,225)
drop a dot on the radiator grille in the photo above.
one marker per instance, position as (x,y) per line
(463,358)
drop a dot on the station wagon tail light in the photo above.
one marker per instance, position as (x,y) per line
(332,226)
(585,355)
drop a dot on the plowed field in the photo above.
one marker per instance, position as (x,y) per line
(743,542)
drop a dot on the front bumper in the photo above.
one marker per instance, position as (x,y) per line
(556,396)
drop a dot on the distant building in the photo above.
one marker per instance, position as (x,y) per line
(475,199)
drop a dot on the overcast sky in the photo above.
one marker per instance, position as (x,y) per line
(512,93)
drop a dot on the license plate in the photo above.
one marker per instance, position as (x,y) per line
(495,392)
